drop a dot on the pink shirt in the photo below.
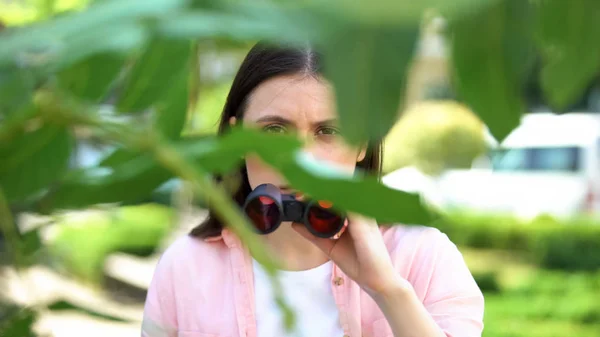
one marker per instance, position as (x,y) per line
(205,288)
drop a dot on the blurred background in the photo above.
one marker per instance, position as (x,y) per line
(524,212)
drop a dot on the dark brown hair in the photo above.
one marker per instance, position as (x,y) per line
(263,62)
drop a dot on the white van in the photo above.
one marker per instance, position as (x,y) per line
(550,164)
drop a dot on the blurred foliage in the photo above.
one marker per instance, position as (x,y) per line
(28,11)
(434,136)
(205,118)
(525,300)
(568,299)
(142,56)
(544,315)
(544,303)
(143,107)
(568,246)
(16,321)
(81,241)
(493,49)
(550,243)
(48,147)
(487,281)
(569,51)
(122,46)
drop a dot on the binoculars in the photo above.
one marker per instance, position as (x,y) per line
(267,208)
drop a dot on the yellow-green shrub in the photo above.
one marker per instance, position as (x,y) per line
(434,135)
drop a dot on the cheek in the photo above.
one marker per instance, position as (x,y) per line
(261,173)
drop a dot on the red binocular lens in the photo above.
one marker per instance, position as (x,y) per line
(267,208)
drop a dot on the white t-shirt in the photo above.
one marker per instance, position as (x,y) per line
(309,295)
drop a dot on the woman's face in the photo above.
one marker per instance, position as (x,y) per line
(303,106)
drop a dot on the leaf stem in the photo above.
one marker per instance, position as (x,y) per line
(202,183)
(9,230)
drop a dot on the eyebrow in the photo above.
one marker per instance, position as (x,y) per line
(285,121)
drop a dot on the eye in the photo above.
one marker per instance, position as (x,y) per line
(327,131)
(274,128)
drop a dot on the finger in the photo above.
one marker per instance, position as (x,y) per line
(342,231)
(300,196)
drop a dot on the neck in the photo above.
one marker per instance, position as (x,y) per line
(293,251)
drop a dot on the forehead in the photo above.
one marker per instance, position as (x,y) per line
(295,97)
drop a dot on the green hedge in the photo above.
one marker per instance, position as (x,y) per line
(553,244)
(487,282)
(549,304)
(568,247)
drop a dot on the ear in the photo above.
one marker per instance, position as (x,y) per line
(362,154)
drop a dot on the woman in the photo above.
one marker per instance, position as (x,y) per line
(399,281)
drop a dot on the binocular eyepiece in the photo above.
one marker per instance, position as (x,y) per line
(267,208)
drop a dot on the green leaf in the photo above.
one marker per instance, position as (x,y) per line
(130,181)
(160,66)
(43,42)
(127,176)
(89,54)
(206,4)
(91,78)
(397,13)
(170,115)
(118,156)
(324,182)
(17,321)
(368,66)
(30,244)
(491,52)
(33,161)
(16,89)
(316,179)
(135,179)
(570,50)
(118,40)
(221,155)
(203,24)
(171,110)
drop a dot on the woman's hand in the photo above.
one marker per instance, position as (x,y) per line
(362,255)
